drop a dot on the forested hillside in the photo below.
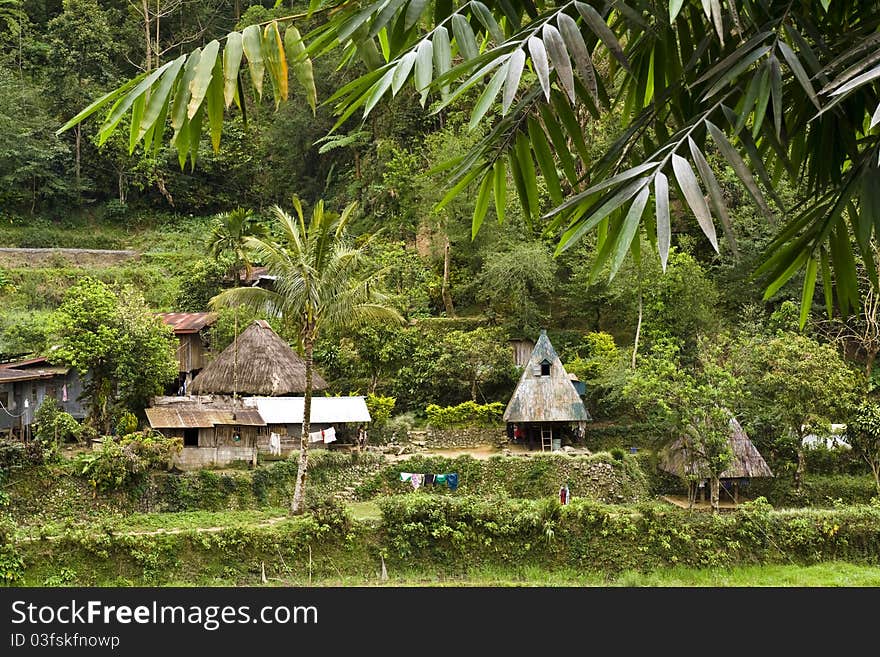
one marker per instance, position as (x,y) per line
(463,293)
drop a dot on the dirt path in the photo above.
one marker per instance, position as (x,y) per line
(177,530)
(24,257)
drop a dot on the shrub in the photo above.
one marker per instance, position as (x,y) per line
(54,427)
(466,414)
(120,460)
(380,408)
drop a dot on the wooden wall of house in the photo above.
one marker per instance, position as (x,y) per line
(221,436)
(190,352)
(13,394)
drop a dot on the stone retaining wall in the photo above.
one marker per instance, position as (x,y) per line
(458,438)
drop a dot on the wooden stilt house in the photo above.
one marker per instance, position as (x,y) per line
(747,463)
(545,406)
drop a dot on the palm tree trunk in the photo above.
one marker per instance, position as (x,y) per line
(299,492)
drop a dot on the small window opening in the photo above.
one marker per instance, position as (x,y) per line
(190,437)
(545,367)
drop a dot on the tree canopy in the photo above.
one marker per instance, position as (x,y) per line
(780,90)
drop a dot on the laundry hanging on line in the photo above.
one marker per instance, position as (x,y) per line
(418,479)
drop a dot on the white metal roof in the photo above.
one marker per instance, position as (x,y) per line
(325,410)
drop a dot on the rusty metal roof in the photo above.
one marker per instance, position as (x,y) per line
(187,322)
(19,364)
(186,416)
(9,375)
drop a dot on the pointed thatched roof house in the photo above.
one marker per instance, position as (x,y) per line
(747,461)
(258,362)
(545,404)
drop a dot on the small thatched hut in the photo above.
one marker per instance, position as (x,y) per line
(545,403)
(747,463)
(258,362)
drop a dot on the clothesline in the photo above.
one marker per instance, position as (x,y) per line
(418,478)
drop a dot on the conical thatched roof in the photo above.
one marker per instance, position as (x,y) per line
(547,397)
(747,461)
(264,365)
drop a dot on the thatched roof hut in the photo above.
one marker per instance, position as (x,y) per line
(545,392)
(258,362)
(747,461)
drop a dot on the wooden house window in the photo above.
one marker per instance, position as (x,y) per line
(236,435)
(545,367)
(190,437)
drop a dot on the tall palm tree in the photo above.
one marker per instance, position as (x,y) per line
(321,281)
(229,235)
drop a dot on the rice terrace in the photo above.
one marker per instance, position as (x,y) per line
(434,294)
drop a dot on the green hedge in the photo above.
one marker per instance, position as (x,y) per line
(533,477)
(449,535)
(466,414)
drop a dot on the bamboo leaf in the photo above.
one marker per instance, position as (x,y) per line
(424,68)
(482,204)
(577,48)
(733,73)
(827,283)
(384,16)
(598,212)
(519,184)
(232,53)
(378,90)
(539,60)
(484,102)
(664,228)
(875,118)
(799,72)
(215,105)
(776,95)
(715,195)
(674,8)
(572,126)
(252,45)
(500,189)
(464,37)
(160,96)
(555,46)
(786,274)
(809,288)
(295,50)
(629,228)
(527,170)
(485,16)
(442,57)
(857,81)
(137,113)
(600,28)
(545,159)
(511,84)
(276,62)
(125,102)
(687,181)
(202,78)
(414,12)
(402,71)
(181,98)
(761,104)
(560,145)
(738,165)
(101,102)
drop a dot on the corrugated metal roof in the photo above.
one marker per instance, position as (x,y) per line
(325,410)
(12,375)
(167,417)
(18,364)
(180,416)
(187,322)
